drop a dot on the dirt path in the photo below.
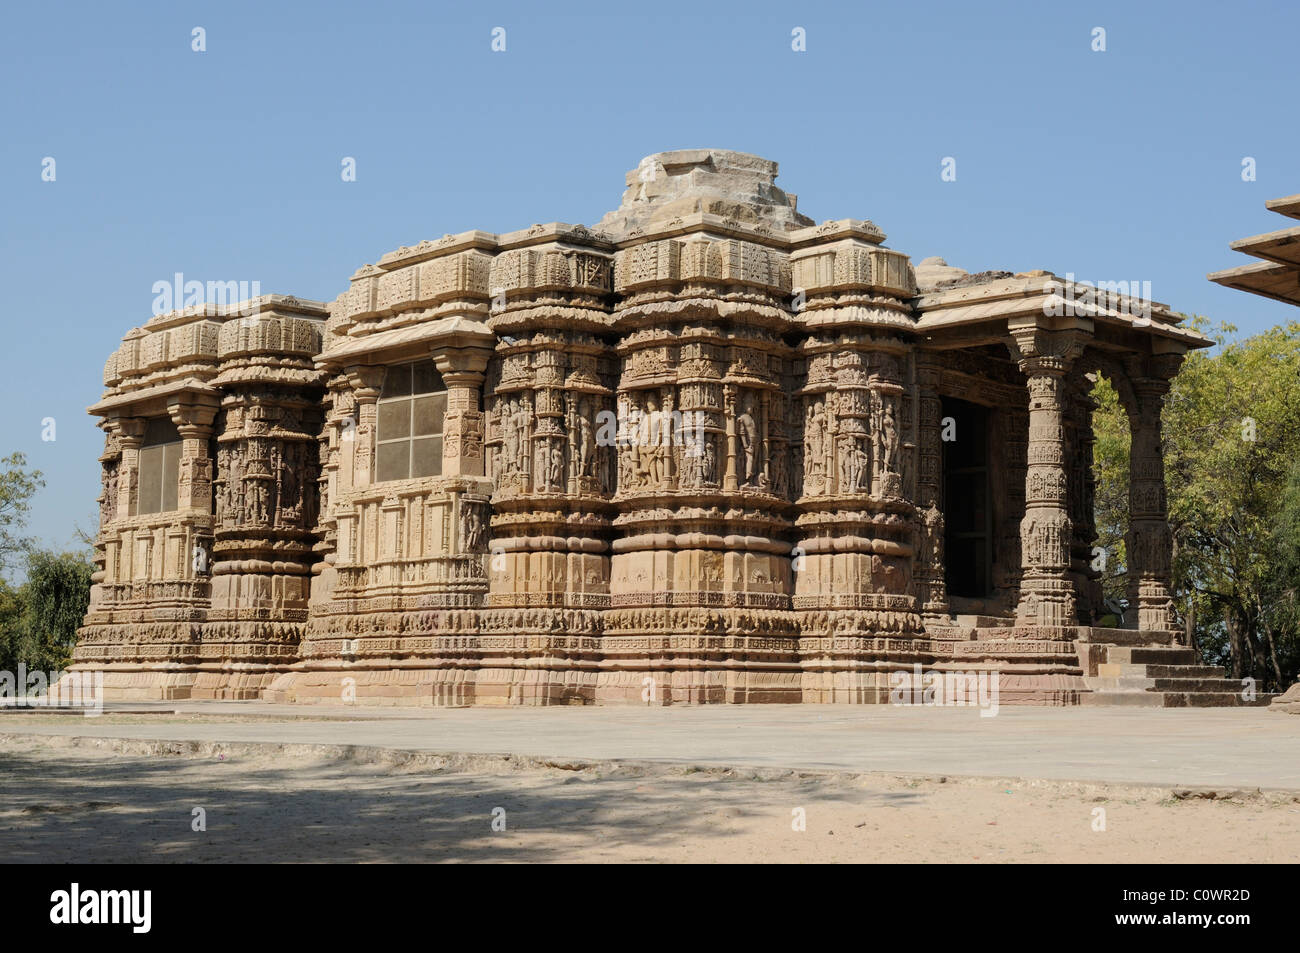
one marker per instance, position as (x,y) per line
(79,804)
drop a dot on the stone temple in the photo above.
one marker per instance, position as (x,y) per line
(704,450)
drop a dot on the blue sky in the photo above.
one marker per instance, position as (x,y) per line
(225,165)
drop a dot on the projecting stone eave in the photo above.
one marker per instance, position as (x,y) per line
(1278,276)
(1282,246)
(381,347)
(959,311)
(1288,205)
(1269,279)
(153,399)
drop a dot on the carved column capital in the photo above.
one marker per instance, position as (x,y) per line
(129,431)
(1042,351)
(193,419)
(461,365)
(366,381)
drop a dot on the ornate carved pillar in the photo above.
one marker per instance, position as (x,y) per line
(1149,541)
(462,431)
(700,567)
(1047,595)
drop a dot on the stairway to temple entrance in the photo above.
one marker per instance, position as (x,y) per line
(1164,676)
(1092,665)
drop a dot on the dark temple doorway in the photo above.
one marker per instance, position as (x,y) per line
(967,507)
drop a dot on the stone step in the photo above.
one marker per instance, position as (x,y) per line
(1151,655)
(1178,671)
(1122,683)
(1180,684)
(1121,669)
(1154,699)
(1212,700)
(1152,676)
(1123,699)
(1129,637)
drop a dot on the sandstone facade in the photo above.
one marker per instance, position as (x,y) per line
(704,451)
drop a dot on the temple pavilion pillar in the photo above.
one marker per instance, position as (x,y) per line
(1149,541)
(1047,597)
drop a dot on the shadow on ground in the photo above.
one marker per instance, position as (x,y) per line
(91,807)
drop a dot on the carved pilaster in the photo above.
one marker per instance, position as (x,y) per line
(130,436)
(928,573)
(462,431)
(367,383)
(194,423)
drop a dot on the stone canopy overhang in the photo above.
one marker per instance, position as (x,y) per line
(153,401)
(1278,275)
(399,344)
(973,315)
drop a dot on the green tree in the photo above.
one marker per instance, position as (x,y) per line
(12,633)
(55,597)
(17,487)
(1110,455)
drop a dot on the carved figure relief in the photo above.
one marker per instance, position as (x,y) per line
(747,435)
(473,532)
(653,438)
(814,441)
(585,450)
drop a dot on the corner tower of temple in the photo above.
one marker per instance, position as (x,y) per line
(705,450)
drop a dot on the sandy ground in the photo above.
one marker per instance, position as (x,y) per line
(62,801)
